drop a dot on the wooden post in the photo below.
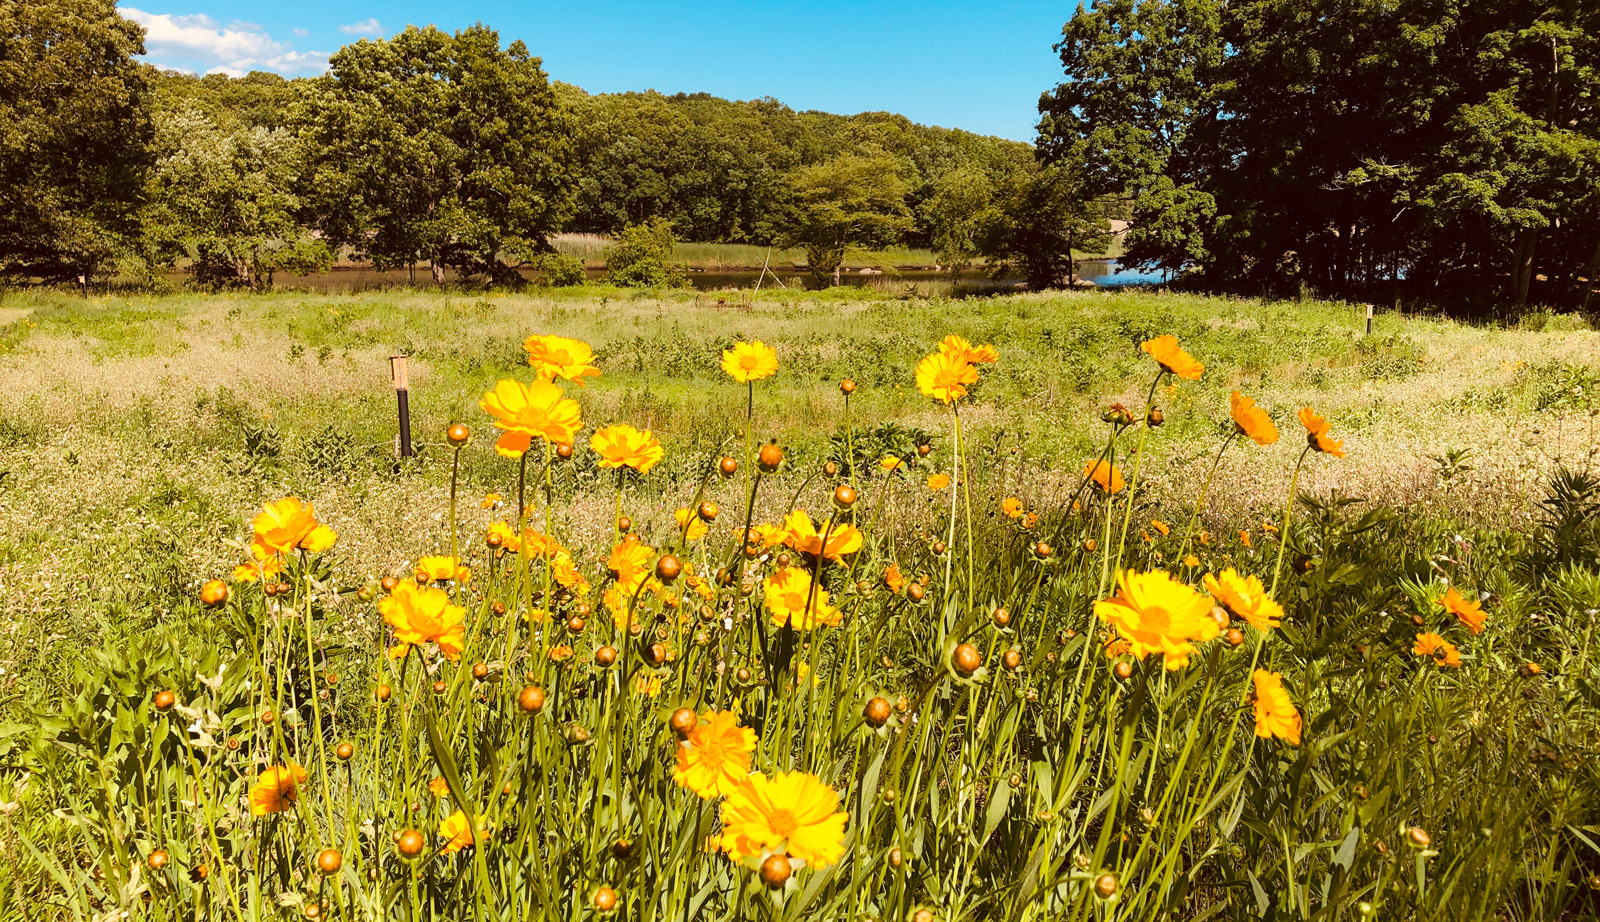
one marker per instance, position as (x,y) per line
(83,282)
(402,390)
(1369,320)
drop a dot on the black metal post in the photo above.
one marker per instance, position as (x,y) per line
(405,422)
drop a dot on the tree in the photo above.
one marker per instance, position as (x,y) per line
(642,257)
(848,201)
(438,148)
(73,135)
(954,214)
(1042,218)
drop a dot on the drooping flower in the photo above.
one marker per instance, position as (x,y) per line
(893,578)
(286,526)
(793,812)
(1252,421)
(1317,433)
(938,482)
(1012,507)
(457,832)
(791,599)
(1166,351)
(541,544)
(1437,649)
(750,361)
(715,758)
(440,568)
(251,571)
(1275,713)
(1469,613)
(1106,475)
(945,378)
(559,357)
(1158,614)
(423,614)
(624,446)
(767,535)
(567,574)
(530,411)
(276,789)
(1246,597)
(803,536)
(957,348)
(692,526)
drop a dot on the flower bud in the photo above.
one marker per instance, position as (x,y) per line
(458,434)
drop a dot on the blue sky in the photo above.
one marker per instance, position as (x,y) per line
(975,66)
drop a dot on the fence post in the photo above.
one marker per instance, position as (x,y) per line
(402,391)
(1369,320)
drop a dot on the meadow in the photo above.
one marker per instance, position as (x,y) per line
(1038,623)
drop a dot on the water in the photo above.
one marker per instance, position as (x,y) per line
(1100,272)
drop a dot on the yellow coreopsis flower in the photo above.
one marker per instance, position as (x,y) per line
(630,560)
(506,535)
(423,614)
(692,526)
(286,526)
(790,599)
(1275,713)
(1158,614)
(439,568)
(751,361)
(793,812)
(624,446)
(945,378)
(893,578)
(1161,526)
(457,832)
(492,501)
(1012,507)
(559,357)
(803,536)
(938,482)
(1437,649)
(961,350)
(1469,613)
(891,463)
(276,789)
(1252,421)
(1106,475)
(438,787)
(1317,433)
(1166,351)
(531,411)
(1246,597)
(715,758)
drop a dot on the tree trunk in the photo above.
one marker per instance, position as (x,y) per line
(1522,271)
(1590,279)
(438,271)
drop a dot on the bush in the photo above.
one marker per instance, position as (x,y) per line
(642,258)
(558,270)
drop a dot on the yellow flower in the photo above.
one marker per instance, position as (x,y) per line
(1244,537)
(803,536)
(630,560)
(567,575)
(1437,649)
(1106,475)
(1191,561)
(791,600)
(957,348)
(768,535)
(506,534)
(286,526)
(439,568)
(438,787)
(457,831)
(893,578)
(541,544)
(1166,351)
(692,526)
(420,614)
(277,789)
(750,361)
(625,446)
(1246,597)
(793,812)
(1030,520)
(1252,421)
(945,378)
(1012,507)
(1158,614)
(715,758)
(252,571)
(492,500)
(1317,433)
(647,684)
(938,482)
(1275,713)
(559,357)
(1469,613)
(890,463)
(529,411)
(1160,526)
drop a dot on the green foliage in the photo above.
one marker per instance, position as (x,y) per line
(851,200)
(558,270)
(642,257)
(1042,218)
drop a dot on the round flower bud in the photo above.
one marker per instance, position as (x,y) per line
(480,671)
(605,656)
(366,593)
(621,849)
(440,687)
(164,700)
(1155,417)
(922,915)
(458,434)
(966,659)
(564,451)
(1235,637)
(1001,617)
(1105,886)
(655,654)
(876,713)
(157,860)
(345,752)
(1012,660)
(531,699)
(770,458)
(844,496)
(896,857)
(924,449)
(329,861)
(728,466)
(742,675)
(382,692)
(938,548)
(707,511)
(775,871)
(605,899)
(1123,670)
(410,843)
(267,717)
(213,593)
(1417,837)
(682,721)
(624,524)
(668,568)
(388,583)
(576,624)
(847,386)
(915,592)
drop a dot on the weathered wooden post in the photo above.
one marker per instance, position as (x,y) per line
(402,391)
(1369,320)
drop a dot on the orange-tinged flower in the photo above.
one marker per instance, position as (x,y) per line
(506,534)
(541,544)
(440,568)
(938,482)
(1317,433)
(1166,351)
(891,463)
(438,787)
(792,599)
(625,446)
(1160,526)
(559,357)
(1191,561)
(567,575)
(420,614)
(957,348)
(251,571)
(530,411)
(1246,597)
(715,758)
(457,832)
(276,789)
(561,652)
(768,535)
(893,578)
(1437,649)
(751,361)
(1030,520)
(1252,421)
(690,524)
(793,812)
(802,535)
(1012,507)
(492,501)
(1105,475)
(630,560)
(1158,614)
(286,526)
(945,378)
(1244,537)
(1469,613)
(647,684)
(1275,713)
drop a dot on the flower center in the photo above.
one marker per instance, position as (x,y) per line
(782,822)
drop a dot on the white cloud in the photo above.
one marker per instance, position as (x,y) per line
(199,42)
(300,33)
(368,26)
